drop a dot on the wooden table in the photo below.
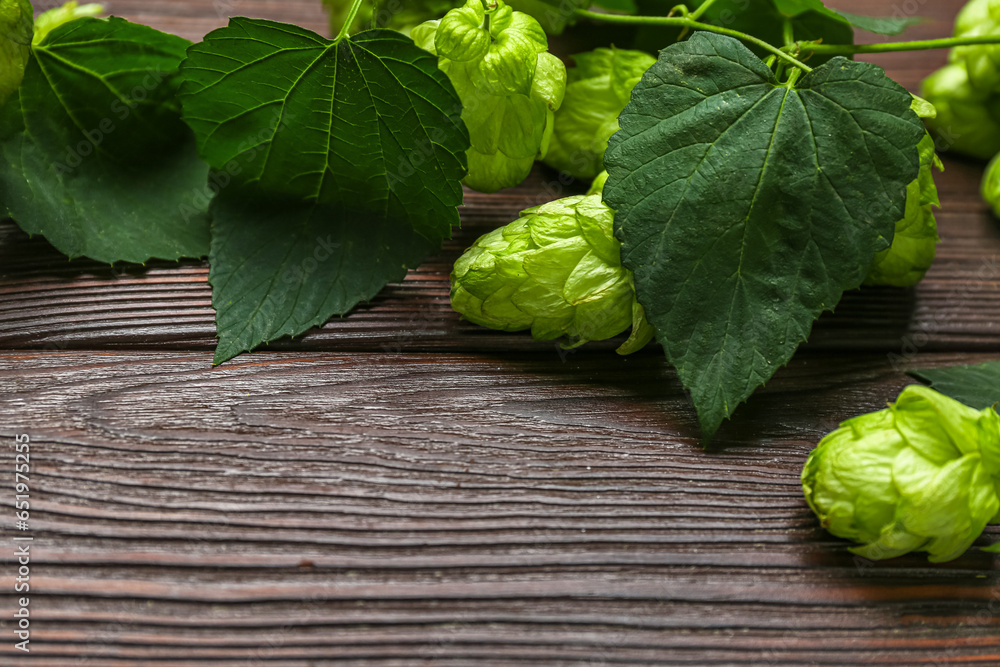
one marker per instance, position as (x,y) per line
(399,487)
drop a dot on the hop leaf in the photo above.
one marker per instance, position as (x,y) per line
(553,15)
(557,271)
(94,123)
(319,219)
(510,87)
(920,475)
(746,207)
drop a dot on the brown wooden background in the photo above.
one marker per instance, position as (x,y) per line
(402,488)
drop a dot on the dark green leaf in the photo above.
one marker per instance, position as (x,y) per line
(281,267)
(747,207)
(977,386)
(765,19)
(361,140)
(880,25)
(93,154)
(553,15)
(623,6)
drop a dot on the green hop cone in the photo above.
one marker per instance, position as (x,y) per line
(401,15)
(15,44)
(914,242)
(968,120)
(52,19)
(599,88)
(979,18)
(920,475)
(509,84)
(556,271)
(990,188)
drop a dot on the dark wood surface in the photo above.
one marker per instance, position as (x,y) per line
(400,488)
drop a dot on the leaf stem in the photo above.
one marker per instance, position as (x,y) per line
(686,22)
(788,32)
(891,47)
(346,28)
(696,14)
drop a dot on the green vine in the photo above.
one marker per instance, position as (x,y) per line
(688,20)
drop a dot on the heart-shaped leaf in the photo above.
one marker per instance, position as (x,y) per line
(747,206)
(359,141)
(93,154)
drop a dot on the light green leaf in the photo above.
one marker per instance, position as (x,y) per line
(93,154)
(746,207)
(359,141)
(977,386)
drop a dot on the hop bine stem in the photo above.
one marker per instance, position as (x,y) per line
(696,14)
(346,28)
(690,23)
(890,47)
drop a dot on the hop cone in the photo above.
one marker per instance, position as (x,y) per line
(15,44)
(509,84)
(914,243)
(968,120)
(979,18)
(52,19)
(599,88)
(920,475)
(556,271)
(991,185)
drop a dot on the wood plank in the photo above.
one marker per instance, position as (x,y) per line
(455,508)
(400,488)
(48,302)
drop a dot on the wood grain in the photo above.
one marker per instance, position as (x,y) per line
(455,508)
(48,302)
(402,488)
